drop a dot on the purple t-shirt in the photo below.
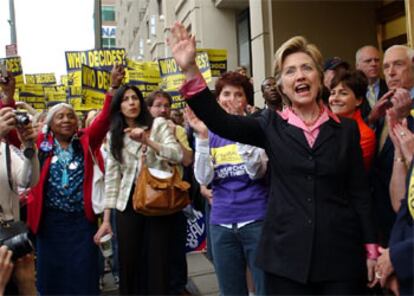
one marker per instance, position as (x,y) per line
(236,198)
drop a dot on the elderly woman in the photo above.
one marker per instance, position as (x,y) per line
(319,212)
(60,212)
(348,91)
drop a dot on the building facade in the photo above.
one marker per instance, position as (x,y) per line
(251,30)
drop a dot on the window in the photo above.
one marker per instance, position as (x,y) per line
(243,40)
(108,13)
(159,4)
(108,42)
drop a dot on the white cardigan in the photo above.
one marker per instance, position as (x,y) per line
(25,174)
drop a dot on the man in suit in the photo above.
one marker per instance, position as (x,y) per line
(367,60)
(398,68)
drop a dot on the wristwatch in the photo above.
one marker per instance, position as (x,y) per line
(29,152)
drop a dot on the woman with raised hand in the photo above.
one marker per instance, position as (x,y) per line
(60,206)
(143,240)
(237,174)
(319,216)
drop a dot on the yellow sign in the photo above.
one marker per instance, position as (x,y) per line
(42,78)
(14,65)
(171,73)
(55,93)
(33,94)
(144,75)
(95,83)
(217,59)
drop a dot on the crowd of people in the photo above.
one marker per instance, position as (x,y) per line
(311,195)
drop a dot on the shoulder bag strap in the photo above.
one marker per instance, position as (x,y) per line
(93,156)
(8,164)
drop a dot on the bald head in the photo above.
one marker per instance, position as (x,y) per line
(399,67)
(367,60)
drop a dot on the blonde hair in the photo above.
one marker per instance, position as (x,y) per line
(294,45)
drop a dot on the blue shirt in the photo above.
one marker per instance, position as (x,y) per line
(376,89)
(65,182)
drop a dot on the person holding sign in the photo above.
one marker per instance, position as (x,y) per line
(318,237)
(60,210)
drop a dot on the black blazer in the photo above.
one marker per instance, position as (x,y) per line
(319,209)
(402,244)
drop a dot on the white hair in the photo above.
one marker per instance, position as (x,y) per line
(358,52)
(52,111)
(410,52)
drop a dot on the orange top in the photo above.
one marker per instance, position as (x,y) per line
(367,141)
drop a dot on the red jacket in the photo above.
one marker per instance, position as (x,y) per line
(91,136)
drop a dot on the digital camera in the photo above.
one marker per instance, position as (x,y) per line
(22,118)
(15,236)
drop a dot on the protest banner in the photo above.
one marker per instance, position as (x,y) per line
(196,232)
(144,75)
(95,83)
(14,65)
(171,73)
(55,93)
(96,58)
(217,59)
(41,78)
(34,95)
(178,102)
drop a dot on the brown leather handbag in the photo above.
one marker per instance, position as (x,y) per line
(155,196)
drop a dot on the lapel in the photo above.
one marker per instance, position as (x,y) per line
(132,146)
(296,134)
(327,131)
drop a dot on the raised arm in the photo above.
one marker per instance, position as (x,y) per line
(100,126)
(237,128)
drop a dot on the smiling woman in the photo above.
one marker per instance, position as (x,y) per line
(348,91)
(319,213)
(60,210)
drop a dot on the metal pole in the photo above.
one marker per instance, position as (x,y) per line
(98,24)
(12,22)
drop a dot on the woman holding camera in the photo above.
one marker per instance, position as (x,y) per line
(319,215)
(60,209)
(143,241)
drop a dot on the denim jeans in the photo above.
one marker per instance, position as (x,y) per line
(233,250)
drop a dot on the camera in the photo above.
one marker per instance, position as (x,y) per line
(15,235)
(19,244)
(22,118)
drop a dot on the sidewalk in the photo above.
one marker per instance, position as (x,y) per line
(202,280)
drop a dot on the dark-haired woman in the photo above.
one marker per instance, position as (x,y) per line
(236,173)
(60,206)
(143,240)
(347,94)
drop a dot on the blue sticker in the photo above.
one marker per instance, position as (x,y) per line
(45,146)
